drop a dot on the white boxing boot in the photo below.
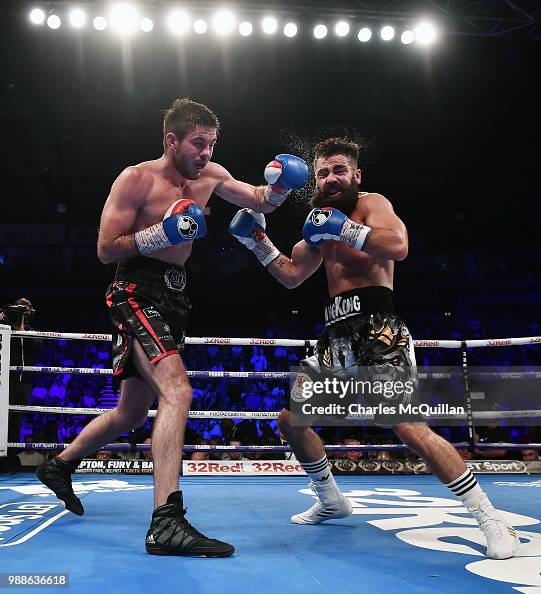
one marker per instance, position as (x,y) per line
(502,539)
(331,504)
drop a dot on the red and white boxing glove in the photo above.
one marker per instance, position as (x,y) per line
(285,173)
(249,228)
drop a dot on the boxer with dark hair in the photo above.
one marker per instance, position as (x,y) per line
(358,237)
(150,220)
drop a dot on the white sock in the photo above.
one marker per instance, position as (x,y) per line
(318,471)
(466,487)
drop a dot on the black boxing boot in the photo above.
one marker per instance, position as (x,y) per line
(170,533)
(56,474)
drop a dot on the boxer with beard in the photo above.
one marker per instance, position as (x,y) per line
(358,237)
(343,198)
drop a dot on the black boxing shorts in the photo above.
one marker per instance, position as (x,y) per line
(147,302)
(363,331)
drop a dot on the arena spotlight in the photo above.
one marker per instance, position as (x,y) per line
(341,28)
(425,33)
(407,37)
(77,18)
(269,25)
(146,25)
(245,28)
(124,18)
(178,21)
(53,21)
(365,34)
(320,31)
(200,26)
(37,16)
(387,33)
(100,23)
(223,22)
(290,30)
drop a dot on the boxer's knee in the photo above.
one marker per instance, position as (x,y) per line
(290,430)
(284,421)
(413,434)
(140,421)
(176,394)
(131,418)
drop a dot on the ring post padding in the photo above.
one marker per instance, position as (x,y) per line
(5,340)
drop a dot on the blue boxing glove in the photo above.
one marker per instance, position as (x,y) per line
(327,223)
(249,228)
(284,174)
(183,221)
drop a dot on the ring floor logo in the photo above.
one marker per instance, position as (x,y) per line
(21,521)
(436,523)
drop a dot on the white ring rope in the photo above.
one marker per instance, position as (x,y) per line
(196,374)
(267,375)
(124,447)
(285,342)
(234,414)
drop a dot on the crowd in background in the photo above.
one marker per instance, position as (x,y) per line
(93,390)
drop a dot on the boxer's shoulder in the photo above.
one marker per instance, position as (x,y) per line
(138,178)
(369,201)
(215,171)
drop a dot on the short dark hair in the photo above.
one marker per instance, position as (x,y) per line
(184,115)
(23,301)
(337,146)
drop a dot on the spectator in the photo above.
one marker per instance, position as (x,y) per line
(352,455)
(529,455)
(235,455)
(258,360)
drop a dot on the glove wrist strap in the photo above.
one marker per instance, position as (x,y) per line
(354,234)
(265,251)
(276,194)
(151,240)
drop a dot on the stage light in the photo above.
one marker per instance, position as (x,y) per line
(365,34)
(320,31)
(425,33)
(407,37)
(200,26)
(341,28)
(77,18)
(100,23)
(290,30)
(124,18)
(146,25)
(223,22)
(387,33)
(269,25)
(37,16)
(245,28)
(54,21)
(178,21)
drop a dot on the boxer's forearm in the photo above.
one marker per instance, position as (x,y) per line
(284,272)
(121,248)
(387,244)
(261,204)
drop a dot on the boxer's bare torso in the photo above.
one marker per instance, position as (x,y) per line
(348,268)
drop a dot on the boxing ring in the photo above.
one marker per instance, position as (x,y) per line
(406,531)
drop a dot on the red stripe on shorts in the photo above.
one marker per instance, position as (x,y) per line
(109,297)
(166,354)
(142,318)
(125,340)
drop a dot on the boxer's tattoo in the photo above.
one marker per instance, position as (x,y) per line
(281,260)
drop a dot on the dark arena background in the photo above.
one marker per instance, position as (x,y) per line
(447,113)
